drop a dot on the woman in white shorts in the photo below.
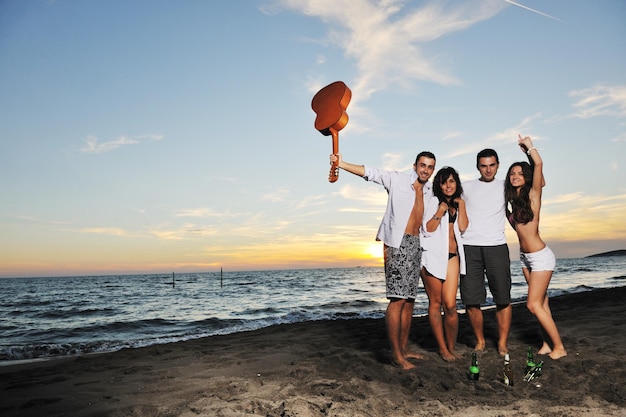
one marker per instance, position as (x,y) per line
(522,191)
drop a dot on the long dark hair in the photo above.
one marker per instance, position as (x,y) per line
(440,178)
(520,202)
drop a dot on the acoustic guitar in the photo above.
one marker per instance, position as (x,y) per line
(330,105)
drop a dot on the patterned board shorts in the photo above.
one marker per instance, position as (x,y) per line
(402,268)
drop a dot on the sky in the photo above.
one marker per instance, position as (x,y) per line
(154,136)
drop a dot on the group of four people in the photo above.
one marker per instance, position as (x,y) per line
(447,231)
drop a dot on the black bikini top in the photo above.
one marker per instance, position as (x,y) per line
(452,217)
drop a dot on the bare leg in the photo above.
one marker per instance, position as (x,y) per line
(405,328)
(393,318)
(538,305)
(450,315)
(545,347)
(475,315)
(504,314)
(434,289)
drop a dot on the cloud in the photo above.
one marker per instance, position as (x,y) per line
(600,100)
(276,196)
(504,137)
(394,161)
(581,217)
(93,146)
(113,231)
(311,201)
(201,212)
(31,219)
(367,198)
(184,231)
(619,138)
(385,38)
(221,178)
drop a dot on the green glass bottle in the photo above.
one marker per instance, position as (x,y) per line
(530,360)
(535,372)
(474,370)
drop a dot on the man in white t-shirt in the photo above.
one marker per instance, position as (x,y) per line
(486,251)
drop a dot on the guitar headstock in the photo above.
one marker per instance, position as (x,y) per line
(333,175)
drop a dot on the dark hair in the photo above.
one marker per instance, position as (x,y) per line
(520,202)
(426,154)
(440,178)
(486,153)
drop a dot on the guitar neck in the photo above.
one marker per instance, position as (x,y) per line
(334,169)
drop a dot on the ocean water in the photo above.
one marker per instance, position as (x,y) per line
(59,316)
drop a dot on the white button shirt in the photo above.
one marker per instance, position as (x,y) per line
(400,201)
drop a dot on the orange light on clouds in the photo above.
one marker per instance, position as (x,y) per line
(574,227)
(299,254)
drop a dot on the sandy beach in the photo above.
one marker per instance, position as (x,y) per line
(339,368)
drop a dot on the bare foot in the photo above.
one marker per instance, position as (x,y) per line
(456,354)
(447,356)
(480,346)
(502,349)
(404,364)
(545,349)
(413,355)
(558,353)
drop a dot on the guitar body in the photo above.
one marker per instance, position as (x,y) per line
(330,105)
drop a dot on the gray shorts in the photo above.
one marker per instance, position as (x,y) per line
(402,268)
(492,262)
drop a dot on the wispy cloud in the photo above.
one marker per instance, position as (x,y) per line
(202,213)
(276,196)
(184,231)
(604,217)
(619,138)
(367,198)
(31,219)
(92,145)
(311,201)
(385,38)
(394,161)
(503,137)
(113,231)
(218,178)
(601,100)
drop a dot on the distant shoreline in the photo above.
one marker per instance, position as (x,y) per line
(619,252)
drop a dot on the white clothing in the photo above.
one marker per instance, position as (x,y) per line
(400,201)
(436,244)
(485,205)
(542,260)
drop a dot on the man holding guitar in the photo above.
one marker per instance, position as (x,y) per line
(399,231)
